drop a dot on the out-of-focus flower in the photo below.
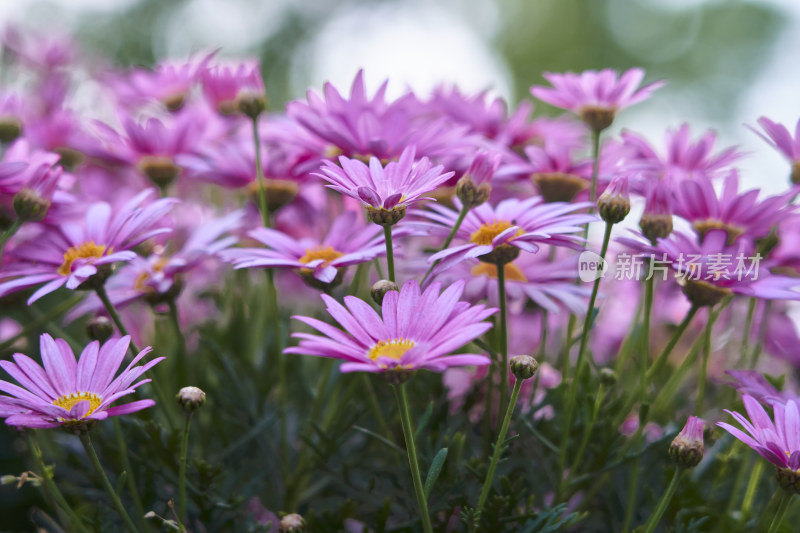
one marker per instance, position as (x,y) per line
(226,85)
(779,137)
(66,392)
(347,243)
(497,234)
(656,221)
(418,331)
(385,191)
(595,96)
(10,117)
(73,253)
(555,172)
(778,442)
(651,431)
(754,384)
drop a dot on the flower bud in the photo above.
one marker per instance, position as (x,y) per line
(251,104)
(702,293)
(523,366)
(558,186)
(687,448)
(190,398)
(380,288)
(99,329)
(161,170)
(608,377)
(596,117)
(291,523)
(471,194)
(615,203)
(29,206)
(656,222)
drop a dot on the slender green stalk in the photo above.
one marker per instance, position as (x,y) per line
(182,468)
(5,236)
(130,479)
(543,335)
(387,234)
(748,325)
(262,191)
(655,518)
(498,448)
(595,167)
(112,312)
(180,339)
(750,491)
(701,385)
(503,369)
(447,241)
(49,485)
(86,440)
(573,386)
(648,311)
(587,433)
(375,404)
(676,336)
(783,506)
(408,433)
(762,335)
(633,482)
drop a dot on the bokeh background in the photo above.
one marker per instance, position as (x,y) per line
(727,61)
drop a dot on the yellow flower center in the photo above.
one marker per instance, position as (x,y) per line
(393,349)
(512,271)
(68,401)
(487,232)
(141,279)
(81,251)
(326,253)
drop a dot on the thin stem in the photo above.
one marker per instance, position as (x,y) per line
(5,236)
(501,295)
(408,433)
(783,506)
(573,386)
(387,234)
(49,485)
(633,482)
(122,447)
(543,335)
(498,448)
(262,191)
(112,312)
(375,404)
(86,440)
(648,311)
(701,391)
(182,468)
(751,311)
(181,340)
(655,518)
(762,334)
(750,491)
(662,359)
(595,167)
(587,433)
(447,241)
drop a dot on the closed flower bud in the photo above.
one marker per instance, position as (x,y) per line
(615,204)
(29,206)
(471,194)
(99,329)
(656,222)
(523,366)
(291,523)
(687,448)
(190,398)
(251,104)
(608,377)
(380,288)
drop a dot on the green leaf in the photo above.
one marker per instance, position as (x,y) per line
(435,470)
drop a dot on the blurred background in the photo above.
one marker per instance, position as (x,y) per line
(727,61)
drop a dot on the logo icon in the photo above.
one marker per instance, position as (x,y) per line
(591,266)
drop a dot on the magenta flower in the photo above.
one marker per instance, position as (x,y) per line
(778,442)
(66,392)
(72,253)
(499,233)
(780,138)
(224,84)
(347,243)
(593,95)
(756,385)
(384,188)
(418,330)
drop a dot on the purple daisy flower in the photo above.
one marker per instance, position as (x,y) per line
(497,234)
(347,243)
(593,95)
(778,442)
(225,84)
(66,392)
(418,330)
(780,138)
(72,253)
(385,191)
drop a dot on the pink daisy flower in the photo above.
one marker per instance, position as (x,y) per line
(418,330)
(497,234)
(593,95)
(224,85)
(385,191)
(66,392)
(72,253)
(780,138)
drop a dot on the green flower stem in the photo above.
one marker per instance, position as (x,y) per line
(543,335)
(503,328)
(408,433)
(375,404)
(498,448)
(762,335)
(587,433)
(6,236)
(750,492)
(649,287)
(112,312)
(701,385)
(387,234)
(673,341)
(655,518)
(50,488)
(748,325)
(573,386)
(633,483)
(595,168)
(447,241)
(86,440)
(262,191)
(182,468)
(180,339)
(783,506)
(122,448)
